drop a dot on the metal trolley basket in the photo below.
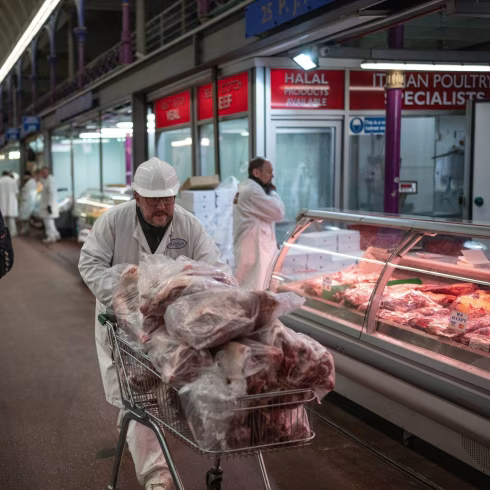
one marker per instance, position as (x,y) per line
(157,406)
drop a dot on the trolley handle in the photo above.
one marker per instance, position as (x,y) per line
(107,317)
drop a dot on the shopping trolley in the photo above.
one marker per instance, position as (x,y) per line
(152,403)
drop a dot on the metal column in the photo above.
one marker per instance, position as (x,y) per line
(394,98)
(140,137)
(217,160)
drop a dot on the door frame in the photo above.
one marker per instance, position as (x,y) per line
(324,123)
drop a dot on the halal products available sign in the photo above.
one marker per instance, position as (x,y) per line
(299,89)
(423,90)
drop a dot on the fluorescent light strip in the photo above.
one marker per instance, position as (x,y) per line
(36,24)
(373,65)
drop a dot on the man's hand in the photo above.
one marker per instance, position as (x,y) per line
(50,211)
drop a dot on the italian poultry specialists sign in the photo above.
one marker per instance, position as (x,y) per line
(423,90)
(299,89)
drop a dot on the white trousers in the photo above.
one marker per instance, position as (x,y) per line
(12,225)
(50,229)
(149,463)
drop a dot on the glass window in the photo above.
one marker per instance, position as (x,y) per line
(10,160)
(432,154)
(117,138)
(175,147)
(233,147)
(304,168)
(86,156)
(61,160)
(206,139)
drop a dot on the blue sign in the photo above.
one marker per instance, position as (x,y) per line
(263,15)
(374,125)
(31,124)
(356,125)
(12,134)
(367,125)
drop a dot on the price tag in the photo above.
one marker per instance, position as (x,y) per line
(327,283)
(458,321)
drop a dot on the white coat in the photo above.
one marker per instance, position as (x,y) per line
(8,197)
(117,238)
(254,237)
(27,199)
(49,197)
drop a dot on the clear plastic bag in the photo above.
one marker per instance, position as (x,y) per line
(208,319)
(125,303)
(209,403)
(306,364)
(177,363)
(250,360)
(163,280)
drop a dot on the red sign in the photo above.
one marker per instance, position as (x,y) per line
(423,90)
(232,97)
(298,89)
(173,110)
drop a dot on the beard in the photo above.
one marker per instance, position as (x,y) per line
(159,218)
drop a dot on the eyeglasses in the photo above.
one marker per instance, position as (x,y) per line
(153,201)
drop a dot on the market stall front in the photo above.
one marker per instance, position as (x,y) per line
(405,306)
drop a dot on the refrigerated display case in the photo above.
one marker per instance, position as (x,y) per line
(404,305)
(93,203)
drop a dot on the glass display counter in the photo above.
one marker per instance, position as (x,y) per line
(422,282)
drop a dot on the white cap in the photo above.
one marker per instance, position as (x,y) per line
(156,178)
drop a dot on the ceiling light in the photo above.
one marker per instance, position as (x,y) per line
(2,157)
(115,132)
(244,133)
(36,24)
(205,142)
(305,61)
(125,125)
(14,155)
(150,117)
(184,142)
(373,65)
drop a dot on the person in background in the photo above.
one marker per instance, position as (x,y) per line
(150,224)
(27,201)
(49,206)
(6,250)
(8,201)
(257,207)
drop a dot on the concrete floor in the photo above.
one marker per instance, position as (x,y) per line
(58,432)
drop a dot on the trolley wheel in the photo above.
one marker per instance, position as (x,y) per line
(213,479)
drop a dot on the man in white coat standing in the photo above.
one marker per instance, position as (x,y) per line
(8,201)
(256,210)
(150,224)
(49,206)
(27,201)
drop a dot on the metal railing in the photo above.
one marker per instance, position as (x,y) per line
(177,19)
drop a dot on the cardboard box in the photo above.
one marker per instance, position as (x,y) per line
(348,240)
(205,217)
(201,183)
(295,261)
(323,240)
(198,207)
(198,196)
